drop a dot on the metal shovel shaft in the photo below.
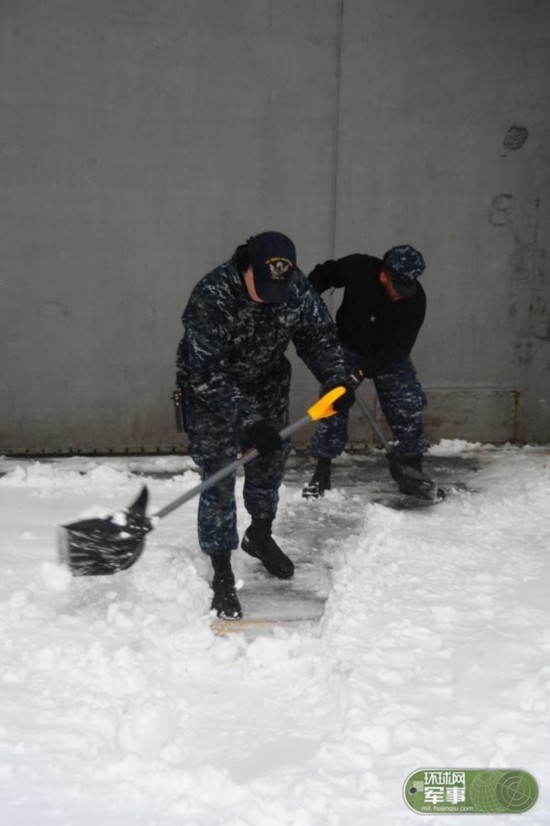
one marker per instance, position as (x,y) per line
(372,421)
(227,470)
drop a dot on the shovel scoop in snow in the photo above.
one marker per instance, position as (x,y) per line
(98,547)
(411,482)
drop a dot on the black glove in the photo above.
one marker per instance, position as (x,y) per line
(344,402)
(264,437)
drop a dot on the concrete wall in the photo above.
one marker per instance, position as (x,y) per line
(142,140)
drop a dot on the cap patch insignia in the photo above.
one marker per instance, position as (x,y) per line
(278,268)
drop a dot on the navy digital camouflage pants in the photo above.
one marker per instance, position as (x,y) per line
(214,443)
(402,400)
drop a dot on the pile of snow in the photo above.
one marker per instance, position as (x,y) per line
(121,706)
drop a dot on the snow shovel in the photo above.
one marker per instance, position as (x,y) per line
(98,547)
(410,481)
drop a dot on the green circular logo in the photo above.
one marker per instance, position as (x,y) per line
(516,791)
(483,791)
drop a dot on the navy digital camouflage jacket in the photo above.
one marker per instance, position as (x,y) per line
(230,342)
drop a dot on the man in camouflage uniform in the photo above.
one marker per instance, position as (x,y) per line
(382,311)
(238,323)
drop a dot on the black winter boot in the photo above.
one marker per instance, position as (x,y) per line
(320,481)
(414,461)
(413,481)
(259,543)
(225,601)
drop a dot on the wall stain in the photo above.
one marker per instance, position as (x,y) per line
(515,137)
(500,213)
(55,308)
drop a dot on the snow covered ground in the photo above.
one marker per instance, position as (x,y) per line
(119,705)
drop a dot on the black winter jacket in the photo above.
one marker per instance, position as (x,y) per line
(382,331)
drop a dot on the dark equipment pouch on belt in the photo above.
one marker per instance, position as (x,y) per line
(178,399)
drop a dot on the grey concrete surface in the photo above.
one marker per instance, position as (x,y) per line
(142,140)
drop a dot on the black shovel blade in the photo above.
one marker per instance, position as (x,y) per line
(412,482)
(100,547)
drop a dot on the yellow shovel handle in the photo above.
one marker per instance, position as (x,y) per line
(323,408)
